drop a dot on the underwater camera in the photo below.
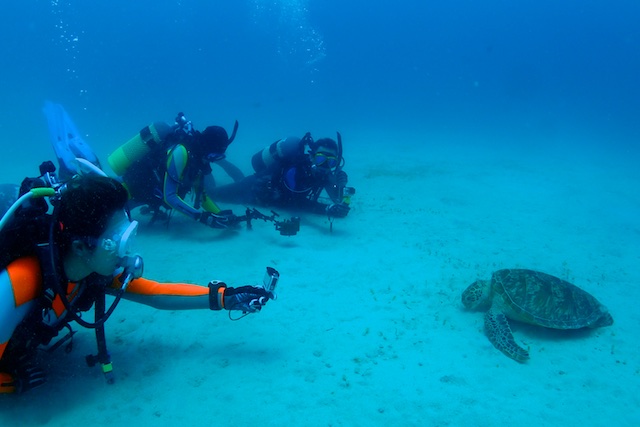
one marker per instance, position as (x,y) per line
(288,227)
(270,280)
(348,191)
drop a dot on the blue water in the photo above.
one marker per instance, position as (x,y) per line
(534,67)
(558,81)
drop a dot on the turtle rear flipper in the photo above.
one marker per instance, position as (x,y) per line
(499,333)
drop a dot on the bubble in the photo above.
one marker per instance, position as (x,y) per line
(67,37)
(298,42)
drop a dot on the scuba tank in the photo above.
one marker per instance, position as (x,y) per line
(264,160)
(26,225)
(149,138)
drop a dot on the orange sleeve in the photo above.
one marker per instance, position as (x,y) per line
(144,286)
(26,279)
(6,383)
(3,346)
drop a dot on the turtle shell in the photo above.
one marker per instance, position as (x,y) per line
(541,299)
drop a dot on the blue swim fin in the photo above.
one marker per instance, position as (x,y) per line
(66,141)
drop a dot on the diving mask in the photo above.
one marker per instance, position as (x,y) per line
(120,242)
(320,159)
(214,157)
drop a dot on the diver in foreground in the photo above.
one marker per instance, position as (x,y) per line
(65,247)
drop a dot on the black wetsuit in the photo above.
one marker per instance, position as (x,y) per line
(295,184)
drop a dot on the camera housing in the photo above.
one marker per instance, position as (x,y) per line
(348,191)
(270,280)
(288,227)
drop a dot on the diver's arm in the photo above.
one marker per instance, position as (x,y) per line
(207,202)
(335,184)
(20,288)
(309,205)
(339,206)
(166,296)
(176,165)
(333,191)
(232,170)
(184,296)
(20,291)
(209,183)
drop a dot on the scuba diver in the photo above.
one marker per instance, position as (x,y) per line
(292,173)
(67,245)
(161,164)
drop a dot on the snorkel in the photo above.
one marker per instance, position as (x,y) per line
(185,127)
(233,132)
(340,159)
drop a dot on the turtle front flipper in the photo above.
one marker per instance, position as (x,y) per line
(497,328)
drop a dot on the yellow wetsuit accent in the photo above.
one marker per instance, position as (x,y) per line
(176,184)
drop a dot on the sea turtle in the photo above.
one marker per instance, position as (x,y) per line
(535,298)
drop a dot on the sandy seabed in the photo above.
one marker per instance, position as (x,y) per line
(368,328)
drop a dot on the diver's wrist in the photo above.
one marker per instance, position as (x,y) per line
(216,294)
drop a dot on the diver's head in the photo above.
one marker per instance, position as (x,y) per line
(93,228)
(324,154)
(213,143)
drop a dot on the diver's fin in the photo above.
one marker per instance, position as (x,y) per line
(85,167)
(66,141)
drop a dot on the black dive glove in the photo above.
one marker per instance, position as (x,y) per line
(223,219)
(338,210)
(248,299)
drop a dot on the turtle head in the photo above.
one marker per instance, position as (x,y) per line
(477,295)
